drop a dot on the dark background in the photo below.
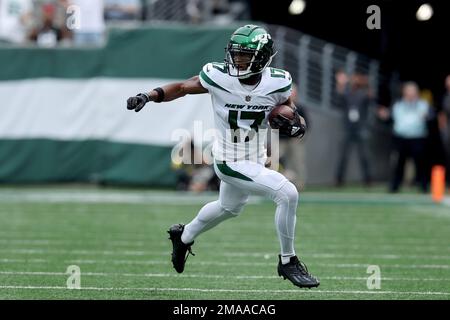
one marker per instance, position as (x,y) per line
(418,50)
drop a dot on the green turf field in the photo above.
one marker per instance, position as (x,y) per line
(118,239)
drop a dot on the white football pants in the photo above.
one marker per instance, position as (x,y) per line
(238,180)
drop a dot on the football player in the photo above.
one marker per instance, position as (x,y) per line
(243,89)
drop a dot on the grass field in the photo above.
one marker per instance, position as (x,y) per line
(118,239)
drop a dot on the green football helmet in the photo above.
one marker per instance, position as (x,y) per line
(249,51)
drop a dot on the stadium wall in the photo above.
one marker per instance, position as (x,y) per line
(64,118)
(63,111)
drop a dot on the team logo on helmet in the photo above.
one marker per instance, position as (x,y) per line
(263,38)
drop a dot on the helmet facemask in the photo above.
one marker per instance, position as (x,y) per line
(244,62)
(249,51)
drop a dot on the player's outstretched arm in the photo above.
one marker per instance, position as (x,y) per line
(168,92)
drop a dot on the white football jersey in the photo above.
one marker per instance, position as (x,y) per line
(240,113)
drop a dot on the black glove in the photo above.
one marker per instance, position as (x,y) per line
(137,102)
(290,128)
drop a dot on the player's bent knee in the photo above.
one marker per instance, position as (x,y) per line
(288,193)
(291,192)
(235,209)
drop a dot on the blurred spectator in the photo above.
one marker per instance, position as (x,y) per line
(434,150)
(220,12)
(227,11)
(446,100)
(48,33)
(194,11)
(123,9)
(354,99)
(444,124)
(15,20)
(92,22)
(191,176)
(292,151)
(409,116)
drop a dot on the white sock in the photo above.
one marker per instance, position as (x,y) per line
(286,259)
(208,217)
(285,219)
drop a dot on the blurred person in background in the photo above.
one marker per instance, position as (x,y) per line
(444,125)
(61,18)
(191,176)
(222,12)
(434,146)
(409,117)
(292,152)
(194,11)
(48,33)
(15,20)
(354,99)
(123,9)
(226,11)
(91,28)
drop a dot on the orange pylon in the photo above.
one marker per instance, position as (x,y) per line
(438,183)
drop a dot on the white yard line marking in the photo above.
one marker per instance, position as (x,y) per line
(4,260)
(203,276)
(145,244)
(83,252)
(227,264)
(226,254)
(144,240)
(343,256)
(263,264)
(155,289)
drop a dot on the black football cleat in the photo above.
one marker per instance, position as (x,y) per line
(297,273)
(180,251)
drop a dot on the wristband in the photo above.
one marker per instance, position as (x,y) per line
(160,92)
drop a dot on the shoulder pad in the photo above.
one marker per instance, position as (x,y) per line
(281,81)
(214,76)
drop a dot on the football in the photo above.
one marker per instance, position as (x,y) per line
(283,110)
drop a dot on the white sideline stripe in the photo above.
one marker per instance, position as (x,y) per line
(95,196)
(226,264)
(183,198)
(231,290)
(99,198)
(226,254)
(322,195)
(446,201)
(204,276)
